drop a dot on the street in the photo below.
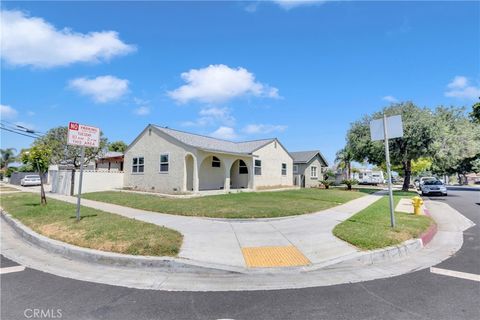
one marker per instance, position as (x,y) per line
(418,295)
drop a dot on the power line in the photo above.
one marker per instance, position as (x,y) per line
(20,133)
(15,126)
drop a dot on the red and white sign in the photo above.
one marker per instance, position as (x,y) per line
(82,135)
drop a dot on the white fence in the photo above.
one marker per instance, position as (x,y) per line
(66,181)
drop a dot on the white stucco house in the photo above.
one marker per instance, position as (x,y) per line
(165,160)
(308,168)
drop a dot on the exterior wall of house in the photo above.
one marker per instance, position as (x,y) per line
(309,180)
(150,145)
(272,156)
(109,165)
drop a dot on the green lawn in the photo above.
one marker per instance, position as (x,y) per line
(370,228)
(97,229)
(236,205)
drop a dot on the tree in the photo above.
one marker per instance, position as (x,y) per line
(7,156)
(475,114)
(421,165)
(344,158)
(39,158)
(118,146)
(56,141)
(418,135)
(457,139)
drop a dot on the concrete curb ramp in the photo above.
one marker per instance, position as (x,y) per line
(358,267)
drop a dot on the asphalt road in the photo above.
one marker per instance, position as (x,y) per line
(418,295)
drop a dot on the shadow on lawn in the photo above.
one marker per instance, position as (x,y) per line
(84,216)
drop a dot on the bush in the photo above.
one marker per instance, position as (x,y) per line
(350,183)
(326,183)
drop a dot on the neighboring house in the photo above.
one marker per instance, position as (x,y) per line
(308,167)
(169,161)
(110,161)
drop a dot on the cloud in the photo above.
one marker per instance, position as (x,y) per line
(101,89)
(226,133)
(33,41)
(142,111)
(289,4)
(461,88)
(212,116)
(390,99)
(30,113)
(263,128)
(7,112)
(143,108)
(220,83)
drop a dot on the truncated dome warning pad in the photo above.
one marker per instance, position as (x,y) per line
(270,257)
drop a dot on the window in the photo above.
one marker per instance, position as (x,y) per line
(258,167)
(215,162)
(164,163)
(242,167)
(284,169)
(313,172)
(295,168)
(138,165)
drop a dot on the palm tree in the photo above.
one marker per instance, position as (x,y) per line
(344,158)
(7,156)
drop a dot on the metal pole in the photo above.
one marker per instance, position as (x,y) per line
(79,195)
(389,174)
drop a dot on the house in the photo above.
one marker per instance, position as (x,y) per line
(165,160)
(308,167)
(110,161)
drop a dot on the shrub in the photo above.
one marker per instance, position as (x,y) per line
(350,183)
(326,183)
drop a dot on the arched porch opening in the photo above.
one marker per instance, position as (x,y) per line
(239,175)
(212,174)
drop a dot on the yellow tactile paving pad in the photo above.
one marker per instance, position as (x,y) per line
(269,257)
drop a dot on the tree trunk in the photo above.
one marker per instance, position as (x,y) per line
(43,198)
(349,170)
(407,172)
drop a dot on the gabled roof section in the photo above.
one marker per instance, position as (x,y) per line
(307,156)
(213,144)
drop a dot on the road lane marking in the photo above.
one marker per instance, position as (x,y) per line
(456,274)
(11,269)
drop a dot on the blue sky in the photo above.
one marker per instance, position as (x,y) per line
(237,70)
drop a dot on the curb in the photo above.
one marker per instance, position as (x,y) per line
(428,235)
(168,264)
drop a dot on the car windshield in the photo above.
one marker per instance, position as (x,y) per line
(433,182)
(32,177)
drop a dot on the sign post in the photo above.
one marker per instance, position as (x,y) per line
(383,129)
(83,136)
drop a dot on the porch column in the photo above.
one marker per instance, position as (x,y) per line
(226,185)
(195,175)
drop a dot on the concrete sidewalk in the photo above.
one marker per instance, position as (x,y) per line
(219,242)
(448,240)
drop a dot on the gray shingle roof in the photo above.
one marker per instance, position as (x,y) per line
(213,144)
(306,156)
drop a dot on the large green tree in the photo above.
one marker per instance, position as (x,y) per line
(418,137)
(56,140)
(457,141)
(118,146)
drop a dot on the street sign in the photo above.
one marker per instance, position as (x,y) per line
(82,135)
(384,129)
(394,125)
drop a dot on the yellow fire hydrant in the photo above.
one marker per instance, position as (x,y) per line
(417,205)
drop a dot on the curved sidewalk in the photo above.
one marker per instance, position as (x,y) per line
(219,242)
(448,240)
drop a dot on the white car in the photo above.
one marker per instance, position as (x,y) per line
(433,187)
(423,179)
(31,180)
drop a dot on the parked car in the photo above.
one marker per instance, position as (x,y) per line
(30,180)
(434,187)
(422,180)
